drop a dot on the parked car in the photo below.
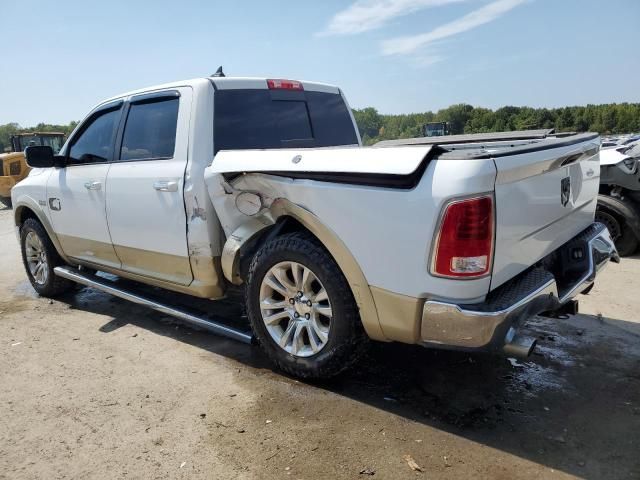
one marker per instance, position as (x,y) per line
(198,185)
(619,198)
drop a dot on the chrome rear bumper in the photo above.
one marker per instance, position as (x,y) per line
(490,324)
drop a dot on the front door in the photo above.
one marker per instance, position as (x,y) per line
(76,194)
(145,203)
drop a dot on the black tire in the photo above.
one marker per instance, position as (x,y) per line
(347,339)
(6,201)
(622,235)
(627,243)
(53,285)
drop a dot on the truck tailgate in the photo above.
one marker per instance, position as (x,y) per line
(544,197)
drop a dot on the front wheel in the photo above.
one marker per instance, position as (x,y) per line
(40,258)
(301,308)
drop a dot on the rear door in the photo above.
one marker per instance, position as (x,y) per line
(544,197)
(145,205)
(76,194)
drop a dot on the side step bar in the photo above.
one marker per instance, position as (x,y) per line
(108,287)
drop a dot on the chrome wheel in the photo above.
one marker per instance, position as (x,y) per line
(295,309)
(36,258)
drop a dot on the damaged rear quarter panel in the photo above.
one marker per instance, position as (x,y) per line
(204,237)
(388,231)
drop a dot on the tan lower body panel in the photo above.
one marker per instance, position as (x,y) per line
(399,315)
(196,289)
(207,276)
(86,250)
(161,270)
(163,266)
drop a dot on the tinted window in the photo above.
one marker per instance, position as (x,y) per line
(150,131)
(292,119)
(250,119)
(95,142)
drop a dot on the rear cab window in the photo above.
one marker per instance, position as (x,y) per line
(263,119)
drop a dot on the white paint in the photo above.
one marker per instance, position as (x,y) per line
(390,160)
(141,217)
(235,83)
(82,211)
(388,231)
(611,156)
(531,220)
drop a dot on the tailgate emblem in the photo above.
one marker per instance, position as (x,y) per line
(565,191)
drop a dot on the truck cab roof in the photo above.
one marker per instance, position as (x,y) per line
(227,83)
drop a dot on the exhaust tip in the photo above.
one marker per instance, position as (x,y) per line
(520,346)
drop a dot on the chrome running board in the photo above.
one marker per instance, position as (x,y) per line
(108,287)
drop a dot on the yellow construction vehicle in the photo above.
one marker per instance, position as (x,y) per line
(13,166)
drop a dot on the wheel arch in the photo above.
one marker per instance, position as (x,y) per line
(283,217)
(629,212)
(29,209)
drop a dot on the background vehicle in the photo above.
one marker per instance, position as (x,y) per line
(13,166)
(209,184)
(436,129)
(619,196)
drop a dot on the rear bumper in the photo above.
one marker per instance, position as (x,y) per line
(490,324)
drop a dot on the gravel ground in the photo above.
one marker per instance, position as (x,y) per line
(94,387)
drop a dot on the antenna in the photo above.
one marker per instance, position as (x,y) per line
(219,72)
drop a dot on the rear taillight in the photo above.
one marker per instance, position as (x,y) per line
(279,84)
(464,246)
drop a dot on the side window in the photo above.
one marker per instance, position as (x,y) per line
(96,140)
(150,131)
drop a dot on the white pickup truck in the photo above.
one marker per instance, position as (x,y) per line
(201,185)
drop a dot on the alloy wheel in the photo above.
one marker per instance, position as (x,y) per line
(295,309)
(36,258)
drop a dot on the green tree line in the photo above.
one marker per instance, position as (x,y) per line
(604,119)
(12,128)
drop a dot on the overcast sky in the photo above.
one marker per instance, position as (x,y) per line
(399,56)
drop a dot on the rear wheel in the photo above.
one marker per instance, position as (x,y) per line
(40,258)
(301,308)
(6,201)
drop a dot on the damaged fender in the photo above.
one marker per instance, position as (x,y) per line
(282,207)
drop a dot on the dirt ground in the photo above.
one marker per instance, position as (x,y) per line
(94,387)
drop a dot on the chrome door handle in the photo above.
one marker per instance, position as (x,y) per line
(93,185)
(165,186)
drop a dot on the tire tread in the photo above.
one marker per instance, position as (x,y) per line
(347,352)
(56,285)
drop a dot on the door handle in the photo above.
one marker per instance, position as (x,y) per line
(165,186)
(93,185)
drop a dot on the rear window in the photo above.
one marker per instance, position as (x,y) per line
(257,119)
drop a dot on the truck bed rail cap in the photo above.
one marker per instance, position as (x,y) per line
(391,161)
(471,138)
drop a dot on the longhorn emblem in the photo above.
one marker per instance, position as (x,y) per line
(565,191)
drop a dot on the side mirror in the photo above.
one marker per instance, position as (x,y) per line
(40,156)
